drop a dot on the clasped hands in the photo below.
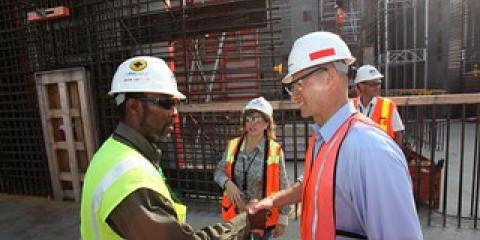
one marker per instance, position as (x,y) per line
(257,210)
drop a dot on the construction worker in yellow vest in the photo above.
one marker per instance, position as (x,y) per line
(253,167)
(125,195)
(381,110)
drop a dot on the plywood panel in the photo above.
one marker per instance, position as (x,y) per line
(70,137)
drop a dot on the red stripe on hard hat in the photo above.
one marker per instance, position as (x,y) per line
(322,53)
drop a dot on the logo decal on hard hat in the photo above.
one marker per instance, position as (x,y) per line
(138,65)
(321,54)
(372,71)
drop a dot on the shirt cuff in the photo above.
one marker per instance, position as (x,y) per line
(225,183)
(283,219)
(221,181)
(300,179)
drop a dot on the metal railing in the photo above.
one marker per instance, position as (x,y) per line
(442,135)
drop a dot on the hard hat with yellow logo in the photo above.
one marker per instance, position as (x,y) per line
(144,74)
(316,48)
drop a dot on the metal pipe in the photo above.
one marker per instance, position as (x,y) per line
(379,50)
(433,139)
(414,42)
(474,168)
(445,174)
(460,180)
(425,80)
(215,67)
(405,12)
(387,52)
(295,159)
(477,157)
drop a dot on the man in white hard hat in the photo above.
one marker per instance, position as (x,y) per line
(355,182)
(124,194)
(381,110)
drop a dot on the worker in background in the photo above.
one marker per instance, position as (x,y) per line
(381,110)
(355,182)
(340,13)
(125,195)
(253,167)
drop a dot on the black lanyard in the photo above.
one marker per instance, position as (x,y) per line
(252,159)
(369,108)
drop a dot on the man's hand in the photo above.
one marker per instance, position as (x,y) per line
(258,222)
(278,231)
(255,206)
(235,195)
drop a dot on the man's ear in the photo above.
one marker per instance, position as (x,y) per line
(332,72)
(133,107)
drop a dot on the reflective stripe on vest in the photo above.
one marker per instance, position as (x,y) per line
(272,184)
(318,186)
(382,114)
(112,177)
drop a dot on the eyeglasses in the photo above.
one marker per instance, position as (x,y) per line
(293,85)
(372,84)
(254,119)
(165,103)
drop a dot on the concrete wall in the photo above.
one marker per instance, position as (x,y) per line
(440,34)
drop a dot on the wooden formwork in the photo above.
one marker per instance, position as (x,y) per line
(70,137)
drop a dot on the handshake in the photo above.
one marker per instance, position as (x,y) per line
(257,217)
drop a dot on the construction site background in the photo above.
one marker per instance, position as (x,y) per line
(57,59)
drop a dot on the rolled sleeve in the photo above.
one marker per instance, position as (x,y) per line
(219,176)
(397,123)
(284,183)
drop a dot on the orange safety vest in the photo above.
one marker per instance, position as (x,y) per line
(318,186)
(271,175)
(382,114)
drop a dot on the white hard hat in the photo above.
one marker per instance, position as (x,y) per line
(314,49)
(367,73)
(145,74)
(260,104)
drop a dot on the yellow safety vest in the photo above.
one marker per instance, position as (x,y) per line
(115,171)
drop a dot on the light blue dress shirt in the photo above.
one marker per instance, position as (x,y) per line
(373,186)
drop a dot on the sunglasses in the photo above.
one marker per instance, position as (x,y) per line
(293,85)
(372,84)
(165,103)
(254,119)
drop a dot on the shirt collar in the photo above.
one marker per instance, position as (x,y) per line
(260,146)
(129,136)
(334,122)
(373,102)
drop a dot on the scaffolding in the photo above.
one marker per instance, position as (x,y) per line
(219,50)
(401,51)
(343,18)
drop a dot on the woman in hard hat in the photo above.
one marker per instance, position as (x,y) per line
(253,167)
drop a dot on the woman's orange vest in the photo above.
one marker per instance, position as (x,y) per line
(382,114)
(271,175)
(318,186)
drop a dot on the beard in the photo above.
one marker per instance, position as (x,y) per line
(153,134)
(164,134)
